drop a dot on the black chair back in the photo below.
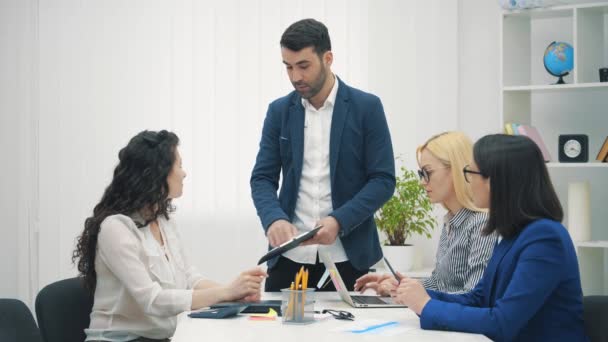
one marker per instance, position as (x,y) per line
(596,317)
(63,310)
(17,323)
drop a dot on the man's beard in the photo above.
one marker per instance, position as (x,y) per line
(315,87)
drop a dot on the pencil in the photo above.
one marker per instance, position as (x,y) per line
(291,300)
(304,287)
(298,286)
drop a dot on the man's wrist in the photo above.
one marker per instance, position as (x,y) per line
(340,232)
(273,222)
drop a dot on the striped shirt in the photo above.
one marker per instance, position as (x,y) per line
(463,253)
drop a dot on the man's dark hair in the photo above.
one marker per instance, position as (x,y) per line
(305,33)
(520,187)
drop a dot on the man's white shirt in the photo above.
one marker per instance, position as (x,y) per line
(314,196)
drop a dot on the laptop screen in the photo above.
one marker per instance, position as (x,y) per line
(335,276)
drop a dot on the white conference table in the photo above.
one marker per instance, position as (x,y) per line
(242,329)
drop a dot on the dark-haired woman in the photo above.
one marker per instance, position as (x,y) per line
(531,288)
(130,254)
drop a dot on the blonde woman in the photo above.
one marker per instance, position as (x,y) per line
(463,252)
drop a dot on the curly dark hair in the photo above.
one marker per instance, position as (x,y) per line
(139,185)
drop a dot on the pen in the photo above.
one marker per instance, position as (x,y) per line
(392,270)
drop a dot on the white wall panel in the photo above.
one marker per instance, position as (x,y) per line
(207,70)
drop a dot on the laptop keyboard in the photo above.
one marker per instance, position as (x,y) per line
(368,300)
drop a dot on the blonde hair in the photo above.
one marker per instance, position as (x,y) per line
(454,150)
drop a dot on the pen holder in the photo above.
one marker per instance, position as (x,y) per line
(298,306)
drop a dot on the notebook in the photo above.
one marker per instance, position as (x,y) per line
(260,307)
(532,133)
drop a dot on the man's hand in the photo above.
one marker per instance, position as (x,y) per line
(326,235)
(280,231)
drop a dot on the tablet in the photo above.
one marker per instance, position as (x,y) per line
(289,245)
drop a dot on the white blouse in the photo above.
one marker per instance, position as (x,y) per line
(140,291)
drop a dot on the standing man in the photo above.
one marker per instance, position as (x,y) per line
(332,144)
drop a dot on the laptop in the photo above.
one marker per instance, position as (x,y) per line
(356,301)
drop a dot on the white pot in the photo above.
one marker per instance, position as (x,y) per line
(400,257)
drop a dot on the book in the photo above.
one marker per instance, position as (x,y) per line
(515,128)
(533,134)
(508,129)
(602,155)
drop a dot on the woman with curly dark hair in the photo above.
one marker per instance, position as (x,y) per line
(130,254)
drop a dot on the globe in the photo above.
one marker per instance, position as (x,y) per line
(559,60)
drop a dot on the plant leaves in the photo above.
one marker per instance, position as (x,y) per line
(408,212)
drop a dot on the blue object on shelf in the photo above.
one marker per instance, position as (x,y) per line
(559,60)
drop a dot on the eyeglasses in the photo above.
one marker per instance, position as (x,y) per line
(339,314)
(466,170)
(425,174)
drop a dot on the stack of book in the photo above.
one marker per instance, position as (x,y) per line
(532,133)
(602,155)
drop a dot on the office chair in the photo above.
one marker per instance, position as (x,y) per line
(63,309)
(595,312)
(17,323)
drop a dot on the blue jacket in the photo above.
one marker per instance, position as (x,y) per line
(530,291)
(362,167)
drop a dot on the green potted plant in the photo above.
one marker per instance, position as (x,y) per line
(408,212)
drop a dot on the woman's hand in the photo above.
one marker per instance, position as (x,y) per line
(411,293)
(381,283)
(247,286)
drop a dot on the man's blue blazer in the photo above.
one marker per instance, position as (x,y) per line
(362,167)
(530,291)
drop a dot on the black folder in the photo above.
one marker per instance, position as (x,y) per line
(291,244)
(260,307)
(220,312)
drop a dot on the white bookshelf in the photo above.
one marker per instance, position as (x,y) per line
(593,244)
(528,95)
(577,165)
(556,87)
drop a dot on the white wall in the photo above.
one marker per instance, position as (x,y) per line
(8,101)
(415,73)
(478,66)
(18,140)
(95,73)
